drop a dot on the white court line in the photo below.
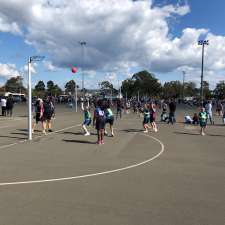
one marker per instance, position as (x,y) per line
(5,126)
(93,174)
(40,136)
(12,120)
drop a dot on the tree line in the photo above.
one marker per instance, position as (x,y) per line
(15,85)
(143,83)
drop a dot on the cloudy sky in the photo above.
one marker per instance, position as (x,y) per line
(122,36)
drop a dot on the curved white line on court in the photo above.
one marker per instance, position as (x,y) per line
(93,174)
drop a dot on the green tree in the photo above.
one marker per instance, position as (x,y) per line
(190,89)
(15,84)
(172,89)
(70,87)
(146,83)
(39,89)
(40,86)
(50,86)
(106,85)
(207,93)
(219,91)
(52,89)
(56,90)
(128,87)
(107,88)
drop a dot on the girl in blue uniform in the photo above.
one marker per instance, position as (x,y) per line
(99,121)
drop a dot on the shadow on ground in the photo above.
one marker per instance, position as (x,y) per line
(6,136)
(80,141)
(132,130)
(186,133)
(77,133)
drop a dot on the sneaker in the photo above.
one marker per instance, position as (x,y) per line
(112,135)
(44,132)
(102,142)
(87,134)
(106,134)
(98,142)
(145,131)
(156,130)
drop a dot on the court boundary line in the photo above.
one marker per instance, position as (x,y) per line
(36,137)
(93,174)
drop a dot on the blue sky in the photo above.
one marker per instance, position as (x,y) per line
(204,14)
(15,48)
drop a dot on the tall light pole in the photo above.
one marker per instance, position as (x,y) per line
(30,60)
(83,44)
(202,43)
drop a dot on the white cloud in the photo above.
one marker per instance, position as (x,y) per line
(119,35)
(6,26)
(49,66)
(8,70)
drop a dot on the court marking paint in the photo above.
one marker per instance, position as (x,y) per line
(93,174)
(39,136)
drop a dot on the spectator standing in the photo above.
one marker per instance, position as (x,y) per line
(9,106)
(3,104)
(172,108)
(208,109)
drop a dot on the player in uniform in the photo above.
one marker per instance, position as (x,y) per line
(202,120)
(109,118)
(99,122)
(146,120)
(87,119)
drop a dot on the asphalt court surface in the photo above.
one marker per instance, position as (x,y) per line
(185,184)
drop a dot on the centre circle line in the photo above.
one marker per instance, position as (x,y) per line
(93,174)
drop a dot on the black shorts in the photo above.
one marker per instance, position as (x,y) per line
(47,117)
(146,120)
(152,118)
(203,124)
(100,124)
(37,117)
(110,121)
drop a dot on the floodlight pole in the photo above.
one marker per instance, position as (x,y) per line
(83,44)
(202,43)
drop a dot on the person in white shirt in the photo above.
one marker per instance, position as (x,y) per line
(208,109)
(188,119)
(3,104)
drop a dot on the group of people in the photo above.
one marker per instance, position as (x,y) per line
(7,104)
(103,115)
(44,113)
(202,118)
(44,110)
